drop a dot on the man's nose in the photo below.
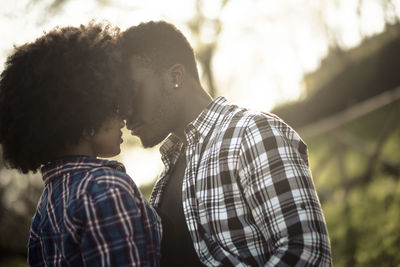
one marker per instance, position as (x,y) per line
(130,121)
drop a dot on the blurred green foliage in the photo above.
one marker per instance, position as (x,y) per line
(347,77)
(356,165)
(19,195)
(363,221)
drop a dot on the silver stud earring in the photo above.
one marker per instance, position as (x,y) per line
(176,85)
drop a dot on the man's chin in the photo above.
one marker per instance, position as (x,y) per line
(149,143)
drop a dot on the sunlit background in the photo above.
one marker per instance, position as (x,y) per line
(255,53)
(263,48)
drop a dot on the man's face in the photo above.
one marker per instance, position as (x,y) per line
(152,116)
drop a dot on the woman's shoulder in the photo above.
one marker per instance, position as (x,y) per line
(109,176)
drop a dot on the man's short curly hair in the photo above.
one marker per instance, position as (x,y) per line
(54,89)
(161,44)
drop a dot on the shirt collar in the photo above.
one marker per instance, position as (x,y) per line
(170,145)
(201,126)
(198,128)
(64,165)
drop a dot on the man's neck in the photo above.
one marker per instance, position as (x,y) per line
(198,101)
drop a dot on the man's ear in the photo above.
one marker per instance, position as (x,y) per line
(176,75)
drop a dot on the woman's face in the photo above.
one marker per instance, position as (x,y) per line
(107,140)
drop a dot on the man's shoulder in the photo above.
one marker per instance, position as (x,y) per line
(240,117)
(238,122)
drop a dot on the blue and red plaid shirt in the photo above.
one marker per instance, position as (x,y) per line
(92,214)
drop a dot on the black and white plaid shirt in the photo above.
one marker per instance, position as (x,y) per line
(248,194)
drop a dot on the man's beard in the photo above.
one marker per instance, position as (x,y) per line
(149,143)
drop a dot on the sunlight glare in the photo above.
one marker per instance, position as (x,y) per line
(263,51)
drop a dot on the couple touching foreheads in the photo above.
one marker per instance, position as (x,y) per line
(236,189)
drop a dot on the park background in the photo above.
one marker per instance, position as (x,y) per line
(330,68)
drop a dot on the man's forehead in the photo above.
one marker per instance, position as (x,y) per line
(140,61)
(139,66)
(142,64)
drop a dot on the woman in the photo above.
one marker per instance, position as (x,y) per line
(60,105)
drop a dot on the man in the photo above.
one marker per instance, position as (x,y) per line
(236,189)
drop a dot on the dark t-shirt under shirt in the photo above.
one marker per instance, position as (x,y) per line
(176,247)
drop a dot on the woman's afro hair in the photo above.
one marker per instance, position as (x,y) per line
(54,89)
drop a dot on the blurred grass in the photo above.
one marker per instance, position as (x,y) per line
(14,262)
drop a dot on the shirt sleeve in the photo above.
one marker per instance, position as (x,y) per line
(35,247)
(278,186)
(119,229)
